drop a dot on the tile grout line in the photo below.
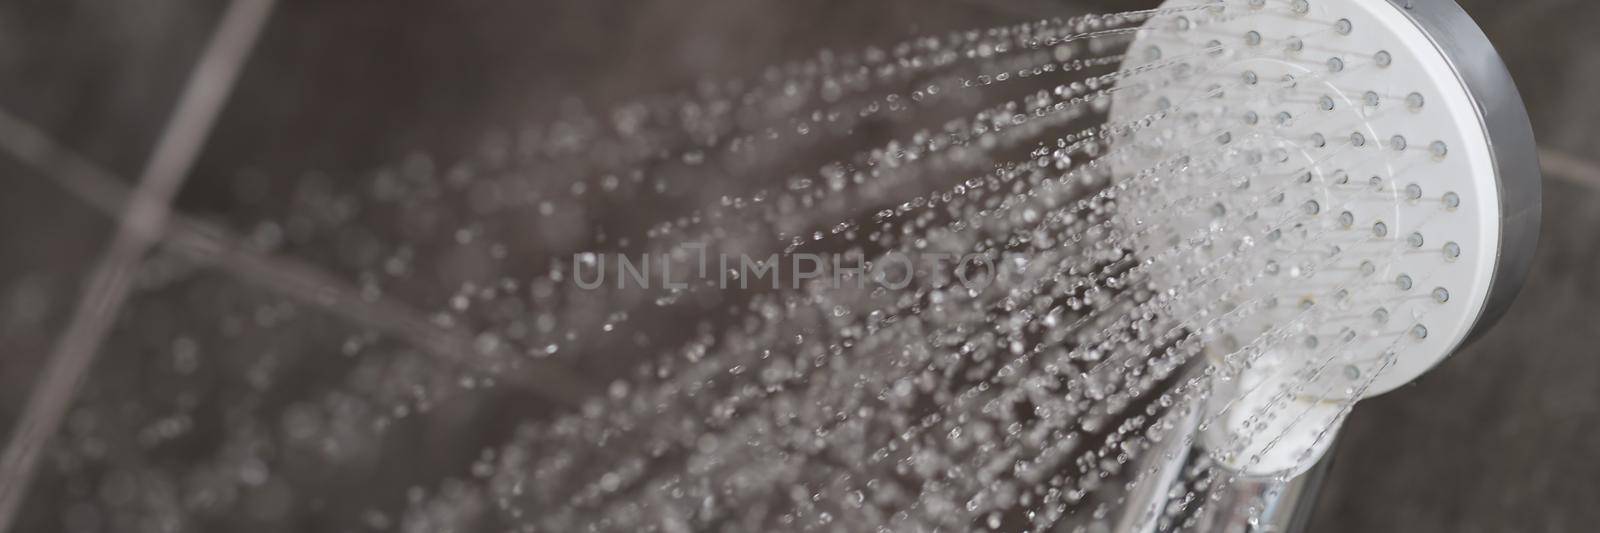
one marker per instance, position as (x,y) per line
(141,224)
(216,246)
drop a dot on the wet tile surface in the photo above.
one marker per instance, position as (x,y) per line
(99,79)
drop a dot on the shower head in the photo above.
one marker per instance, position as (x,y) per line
(1341,193)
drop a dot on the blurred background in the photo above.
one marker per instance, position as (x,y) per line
(1500,438)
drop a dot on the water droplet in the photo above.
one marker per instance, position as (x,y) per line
(1438,149)
(1452,200)
(1383,59)
(1414,101)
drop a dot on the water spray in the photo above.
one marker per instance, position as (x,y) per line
(1206,231)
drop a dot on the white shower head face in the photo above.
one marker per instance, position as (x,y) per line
(1313,185)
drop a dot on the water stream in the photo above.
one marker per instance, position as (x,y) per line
(1024,276)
